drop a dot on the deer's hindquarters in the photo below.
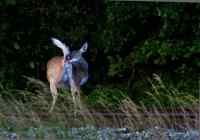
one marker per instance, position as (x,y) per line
(54,69)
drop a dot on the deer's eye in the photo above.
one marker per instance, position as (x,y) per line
(68,57)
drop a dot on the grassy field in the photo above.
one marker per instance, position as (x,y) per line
(30,118)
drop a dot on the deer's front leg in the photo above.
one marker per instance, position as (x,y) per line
(73,86)
(73,91)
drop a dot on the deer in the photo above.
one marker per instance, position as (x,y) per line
(71,70)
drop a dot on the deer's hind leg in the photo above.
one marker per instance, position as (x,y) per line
(54,93)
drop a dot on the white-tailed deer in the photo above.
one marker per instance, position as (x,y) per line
(70,70)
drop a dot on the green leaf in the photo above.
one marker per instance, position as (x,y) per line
(10,2)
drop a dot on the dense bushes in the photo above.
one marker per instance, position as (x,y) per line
(128,41)
(106,97)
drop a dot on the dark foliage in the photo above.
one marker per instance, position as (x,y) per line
(128,41)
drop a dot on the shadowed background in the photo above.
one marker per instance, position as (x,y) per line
(128,42)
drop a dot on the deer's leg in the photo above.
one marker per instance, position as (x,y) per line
(54,95)
(78,96)
(73,92)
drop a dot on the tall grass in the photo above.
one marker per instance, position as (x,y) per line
(30,111)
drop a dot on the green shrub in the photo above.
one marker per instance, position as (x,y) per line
(106,97)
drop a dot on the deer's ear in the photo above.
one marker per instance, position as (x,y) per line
(84,47)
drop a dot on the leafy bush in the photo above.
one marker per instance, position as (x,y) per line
(106,97)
